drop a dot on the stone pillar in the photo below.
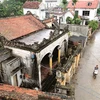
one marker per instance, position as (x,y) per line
(59,53)
(39,69)
(50,62)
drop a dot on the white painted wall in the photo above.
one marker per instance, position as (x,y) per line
(38,12)
(52,4)
(91,15)
(25,55)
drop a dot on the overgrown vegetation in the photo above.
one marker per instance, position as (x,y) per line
(64,4)
(75,20)
(11,8)
(93,24)
(98,11)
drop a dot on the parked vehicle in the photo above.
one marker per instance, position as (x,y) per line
(95,72)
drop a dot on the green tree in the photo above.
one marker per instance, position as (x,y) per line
(98,11)
(3,11)
(74,3)
(64,2)
(78,21)
(94,25)
(23,1)
(11,8)
(69,20)
(76,15)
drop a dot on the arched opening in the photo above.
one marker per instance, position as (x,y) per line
(45,67)
(64,48)
(55,54)
(48,80)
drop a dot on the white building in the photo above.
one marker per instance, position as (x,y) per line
(40,9)
(35,8)
(51,3)
(87,9)
(60,14)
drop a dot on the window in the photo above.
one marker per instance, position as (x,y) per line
(89,3)
(76,12)
(86,13)
(47,15)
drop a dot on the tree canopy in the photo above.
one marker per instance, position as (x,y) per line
(11,8)
(74,1)
(98,11)
(64,2)
(93,24)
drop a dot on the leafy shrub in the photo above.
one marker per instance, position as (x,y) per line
(69,20)
(98,11)
(93,24)
(78,21)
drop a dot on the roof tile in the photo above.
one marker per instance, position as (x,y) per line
(16,93)
(84,4)
(31,4)
(15,27)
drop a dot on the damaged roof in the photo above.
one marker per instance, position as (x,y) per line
(17,93)
(15,27)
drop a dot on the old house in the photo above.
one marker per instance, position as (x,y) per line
(40,48)
(10,67)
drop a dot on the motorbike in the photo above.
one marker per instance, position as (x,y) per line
(95,72)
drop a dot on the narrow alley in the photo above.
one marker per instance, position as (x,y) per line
(86,87)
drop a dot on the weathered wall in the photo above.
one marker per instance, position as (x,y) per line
(51,47)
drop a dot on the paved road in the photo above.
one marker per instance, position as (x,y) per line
(87,88)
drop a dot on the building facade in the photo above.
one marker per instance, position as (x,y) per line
(86,9)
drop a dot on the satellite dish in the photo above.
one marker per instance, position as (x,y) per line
(58,74)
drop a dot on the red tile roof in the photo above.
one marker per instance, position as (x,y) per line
(31,4)
(17,93)
(84,4)
(48,20)
(15,27)
(9,88)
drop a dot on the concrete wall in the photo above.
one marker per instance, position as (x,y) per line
(25,56)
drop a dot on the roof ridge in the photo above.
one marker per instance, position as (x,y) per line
(15,16)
